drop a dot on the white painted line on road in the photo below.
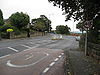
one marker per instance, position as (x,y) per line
(13,49)
(30,43)
(5,56)
(31,48)
(56,59)
(52,64)
(20,66)
(59,56)
(29,57)
(62,53)
(26,46)
(46,70)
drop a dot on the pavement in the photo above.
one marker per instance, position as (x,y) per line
(79,64)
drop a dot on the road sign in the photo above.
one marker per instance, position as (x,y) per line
(88,24)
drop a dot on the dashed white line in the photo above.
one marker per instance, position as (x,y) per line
(13,49)
(59,56)
(52,64)
(56,59)
(62,53)
(26,46)
(46,70)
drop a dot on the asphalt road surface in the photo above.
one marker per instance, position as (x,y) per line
(34,56)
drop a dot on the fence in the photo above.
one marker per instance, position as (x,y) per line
(94,50)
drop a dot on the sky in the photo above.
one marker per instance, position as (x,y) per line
(35,8)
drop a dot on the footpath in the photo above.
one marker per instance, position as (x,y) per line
(78,64)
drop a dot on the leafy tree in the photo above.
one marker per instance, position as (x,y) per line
(84,10)
(80,26)
(47,23)
(61,29)
(19,20)
(79,9)
(39,25)
(42,23)
(1,18)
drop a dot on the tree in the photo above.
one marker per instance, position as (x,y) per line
(1,18)
(19,20)
(80,26)
(39,25)
(84,10)
(47,23)
(79,9)
(61,29)
(42,23)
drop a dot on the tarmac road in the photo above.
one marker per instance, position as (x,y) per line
(35,56)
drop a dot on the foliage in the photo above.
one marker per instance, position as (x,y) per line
(9,30)
(6,26)
(41,24)
(1,18)
(94,31)
(61,29)
(19,20)
(47,23)
(78,9)
(80,26)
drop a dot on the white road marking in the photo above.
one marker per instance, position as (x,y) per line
(46,70)
(52,64)
(13,49)
(5,56)
(31,48)
(56,59)
(26,46)
(20,66)
(62,53)
(59,56)
(29,57)
(30,43)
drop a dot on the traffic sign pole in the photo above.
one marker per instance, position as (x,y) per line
(88,24)
(86,41)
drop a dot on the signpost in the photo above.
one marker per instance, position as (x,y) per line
(87,26)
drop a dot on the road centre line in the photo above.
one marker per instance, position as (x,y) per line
(46,70)
(52,64)
(13,49)
(59,56)
(56,59)
(62,53)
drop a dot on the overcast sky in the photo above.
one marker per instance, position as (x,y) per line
(35,8)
